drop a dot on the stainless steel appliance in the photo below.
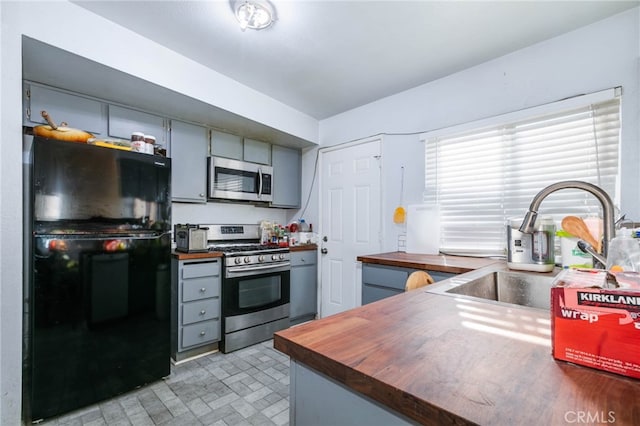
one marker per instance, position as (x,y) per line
(531,251)
(255,285)
(98,296)
(190,238)
(239,180)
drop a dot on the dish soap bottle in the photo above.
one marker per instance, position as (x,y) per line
(624,252)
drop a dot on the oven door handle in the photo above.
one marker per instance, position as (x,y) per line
(237,271)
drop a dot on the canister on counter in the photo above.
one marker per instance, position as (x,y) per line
(137,142)
(150,140)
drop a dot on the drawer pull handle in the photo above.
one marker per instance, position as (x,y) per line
(202,333)
(203,289)
(202,312)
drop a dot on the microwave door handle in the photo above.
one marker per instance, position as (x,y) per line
(260,182)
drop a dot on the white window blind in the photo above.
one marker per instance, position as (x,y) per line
(480,177)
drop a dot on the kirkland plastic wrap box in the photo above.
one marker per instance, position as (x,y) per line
(595,319)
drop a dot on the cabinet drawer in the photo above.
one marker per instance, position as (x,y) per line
(200,311)
(302,258)
(385,276)
(203,269)
(200,333)
(200,288)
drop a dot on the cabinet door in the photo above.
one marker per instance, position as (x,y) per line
(78,112)
(304,286)
(124,121)
(257,151)
(379,282)
(188,162)
(226,145)
(287,166)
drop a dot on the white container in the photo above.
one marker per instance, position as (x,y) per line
(572,256)
(423,229)
(139,146)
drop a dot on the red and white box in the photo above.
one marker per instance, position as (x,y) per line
(595,320)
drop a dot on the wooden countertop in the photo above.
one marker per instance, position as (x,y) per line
(189,256)
(304,247)
(446,360)
(442,263)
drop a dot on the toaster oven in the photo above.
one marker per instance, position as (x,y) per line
(191,238)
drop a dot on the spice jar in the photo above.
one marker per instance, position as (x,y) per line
(137,142)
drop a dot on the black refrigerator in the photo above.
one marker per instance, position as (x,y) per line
(97,304)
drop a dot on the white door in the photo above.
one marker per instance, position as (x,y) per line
(350,221)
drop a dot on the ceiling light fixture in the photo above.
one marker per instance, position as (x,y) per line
(254,14)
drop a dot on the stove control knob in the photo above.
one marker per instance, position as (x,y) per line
(261,258)
(282,257)
(238,261)
(247,259)
(274,257)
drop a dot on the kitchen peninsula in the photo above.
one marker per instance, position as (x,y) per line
(420,357)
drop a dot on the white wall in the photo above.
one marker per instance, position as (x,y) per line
(74,29)
(599,56)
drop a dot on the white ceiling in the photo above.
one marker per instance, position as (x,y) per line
(326,57)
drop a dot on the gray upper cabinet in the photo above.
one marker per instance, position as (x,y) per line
(287,169)
(189,146)
(77,111)
(124,121)
(226,145)
(257,151)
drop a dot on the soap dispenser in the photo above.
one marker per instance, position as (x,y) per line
(624,252)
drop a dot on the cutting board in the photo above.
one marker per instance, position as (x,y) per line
(423,229)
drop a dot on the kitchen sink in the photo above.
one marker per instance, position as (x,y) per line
(502,286)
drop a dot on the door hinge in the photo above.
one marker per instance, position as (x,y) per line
(29,113)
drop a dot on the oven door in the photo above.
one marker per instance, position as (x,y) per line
(255,292)
(239,180)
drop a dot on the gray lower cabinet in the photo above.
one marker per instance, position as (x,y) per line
(77,111)
(379,281)
(195,307)
(189,147)
(304,286)
(287,171)
(316,399)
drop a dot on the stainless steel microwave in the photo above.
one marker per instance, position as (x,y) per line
(239,180)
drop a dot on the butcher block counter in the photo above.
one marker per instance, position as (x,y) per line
(190,256)
(435,262)
(437,359)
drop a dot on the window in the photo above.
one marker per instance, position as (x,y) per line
(481,174)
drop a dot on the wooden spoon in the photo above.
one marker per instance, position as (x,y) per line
(576,226)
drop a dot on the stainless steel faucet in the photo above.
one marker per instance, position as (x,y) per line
(607,208)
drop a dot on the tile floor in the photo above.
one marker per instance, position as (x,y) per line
(246,387)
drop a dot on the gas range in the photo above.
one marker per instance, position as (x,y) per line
(256,288)
(242,251)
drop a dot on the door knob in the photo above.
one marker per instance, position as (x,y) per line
(325,239)
(324,250)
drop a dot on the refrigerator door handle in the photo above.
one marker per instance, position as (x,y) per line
(103,237)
